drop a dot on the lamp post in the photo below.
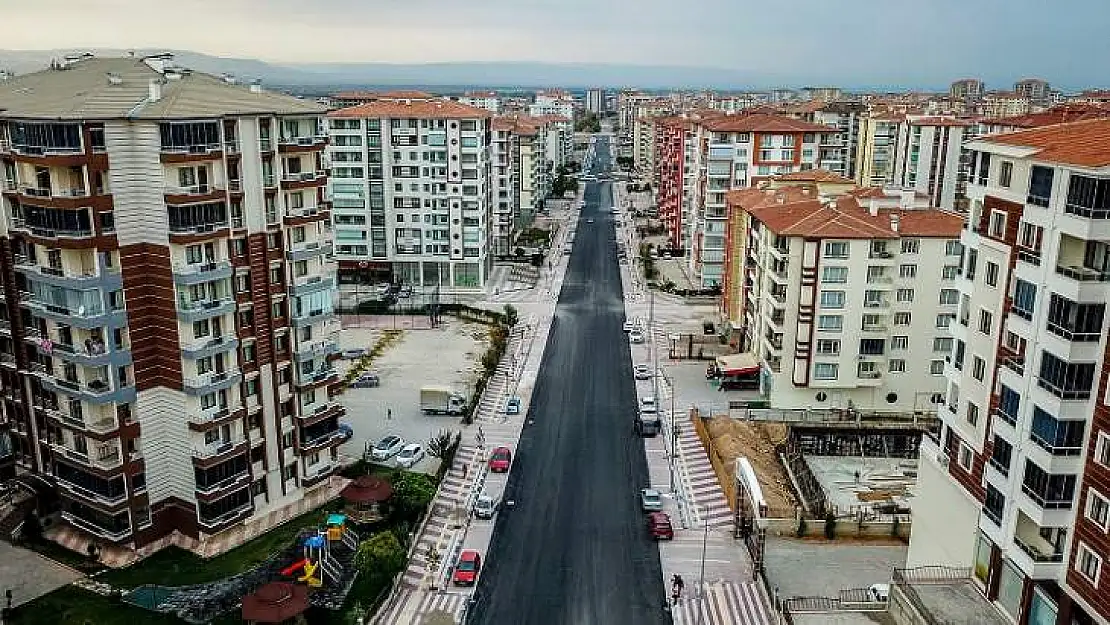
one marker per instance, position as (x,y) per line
(701,575)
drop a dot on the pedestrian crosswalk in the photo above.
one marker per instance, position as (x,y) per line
(725,603)
(703,490)
(412,606)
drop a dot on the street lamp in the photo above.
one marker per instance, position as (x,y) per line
(701,575)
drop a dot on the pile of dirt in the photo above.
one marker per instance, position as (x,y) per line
(756,442)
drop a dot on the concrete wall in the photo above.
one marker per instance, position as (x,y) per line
(845,528)
(945,518)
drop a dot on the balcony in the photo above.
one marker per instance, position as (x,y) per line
(316,349)
(876,304)
(319,442)
(205,309)
(210,346)
(116,534)
(319,315)
(209,455)
(195,194)
(1029,255)
(319,376)
(310,284)
(221,522)
(54,232)
(211,382)
(225,486)
(106,458)
(78,281)
(308,250)
(318,474)
(1041,553)
(96,391)
(290,145)
(303,180)
(188,274)
(89,354)
(315,413)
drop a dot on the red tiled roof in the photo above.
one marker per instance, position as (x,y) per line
(1083,143)
(938,121)
(418,109)
(384,95)
(814,175)
(762,122)
(1062,114)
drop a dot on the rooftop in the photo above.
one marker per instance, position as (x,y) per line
(118,88)
(953,601)
(815,175)
(1083,143)
(438,108)
(762,122)
(385,95)
(1062,114)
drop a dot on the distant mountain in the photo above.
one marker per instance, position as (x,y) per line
(458,74)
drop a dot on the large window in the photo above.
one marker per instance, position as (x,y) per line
(37,138)
(1040,186)
(189,136)
(1088,197)
(197,217)
(1058,437)
(1025,298)
(1064,379)
(1050,491)
(1075,322)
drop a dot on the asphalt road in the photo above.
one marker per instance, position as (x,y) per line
(574,550)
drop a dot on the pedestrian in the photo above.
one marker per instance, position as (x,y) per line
(388,414)
(466,471)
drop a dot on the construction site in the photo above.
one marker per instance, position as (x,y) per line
(811,464)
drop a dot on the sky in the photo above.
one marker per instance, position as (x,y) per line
(869,41)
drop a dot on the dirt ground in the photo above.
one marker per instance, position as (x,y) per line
(756,442)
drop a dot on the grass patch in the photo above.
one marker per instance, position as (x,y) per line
(178,567)
(73,606)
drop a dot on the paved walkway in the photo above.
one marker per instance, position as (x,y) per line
(413,605)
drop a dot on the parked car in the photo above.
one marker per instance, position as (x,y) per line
(500,460)
(589,221)
(353,353)
(648,405)
(368,379)
(346,432)
(485,506)
(642,372)
(512,406)
(410,455)
(651,500)
(659,526)
(387,447)
(467,568)
(636,335)
(629,326)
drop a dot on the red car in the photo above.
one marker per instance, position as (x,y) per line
(500,460)
(466,569)
(659,524)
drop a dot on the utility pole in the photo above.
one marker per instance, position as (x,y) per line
(701,576)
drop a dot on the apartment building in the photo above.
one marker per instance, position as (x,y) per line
(1004,104)
(675,175)
(487,100)
(878,145)
(595,101)
(1035,89)
(167,297)
(832,296)
(736,151)
(1016,487)
(505,171)
(927,158)
(967,89)
(412,194)
(643,134)
(558,138)
(823,94)
(531,171)
(557,103)
(838,152)
(345,99)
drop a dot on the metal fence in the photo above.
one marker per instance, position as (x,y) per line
(905,579)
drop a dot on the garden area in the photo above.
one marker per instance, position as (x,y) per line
(379,557)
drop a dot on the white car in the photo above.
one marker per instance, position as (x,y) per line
(648,405)
(642,372)
(636,335)
(629,326)
(410,455)
(387,447)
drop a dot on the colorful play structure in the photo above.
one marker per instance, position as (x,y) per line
(318,561)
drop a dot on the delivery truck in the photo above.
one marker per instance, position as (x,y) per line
(441,400)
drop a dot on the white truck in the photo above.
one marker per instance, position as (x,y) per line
(441,400)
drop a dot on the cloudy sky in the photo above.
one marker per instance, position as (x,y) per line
(854,40)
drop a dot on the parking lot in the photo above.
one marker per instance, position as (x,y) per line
(813,568)
(444,356)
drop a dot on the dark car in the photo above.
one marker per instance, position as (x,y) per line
(500,460)
(467,568)
(659,525)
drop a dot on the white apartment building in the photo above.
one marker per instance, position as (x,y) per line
(595,101)
(846,301)
(556,103)
(1018,485)
(558,136)
(736,150)
(487,100)
(412,194)
(505,169)
(167,297)
(927,157)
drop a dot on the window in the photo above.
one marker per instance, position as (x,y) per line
(944,320)
(1097,509)
(1088,563)
(972,260)
(997,226)
(832,299)
(1025,297)
(952,248)
(949,297)
(978,368)
(1040,186)
(876,274)
(1005,174)
(972,414)
(936,367)
(836,249)
(896,365)
(904,296)
(200,329)
(911,246)
(902,319)
(966,456)
(872,347)
(950,272)
(991,274)
(825,371)
(834,274)
(907,271)
(986,320)
(942,345)
(1102,449)
(830,323)
(899,342)
(828,347)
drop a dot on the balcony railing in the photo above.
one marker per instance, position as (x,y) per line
(1037,555)
(96,529)
(241,512)
(225,483)
(217,449)
(48,192)
(1043,501)
(193,148)
(314,377)
(1083,274)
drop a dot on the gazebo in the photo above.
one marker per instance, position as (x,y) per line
(365,497)
(280,603)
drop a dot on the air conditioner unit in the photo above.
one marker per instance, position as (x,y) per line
(942,459)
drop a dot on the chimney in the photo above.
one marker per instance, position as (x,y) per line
(256,86)
(894,221)
(873,207)
(155,90)
(907,198)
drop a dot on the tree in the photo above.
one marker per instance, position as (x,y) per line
(412,492)
(380,557)
(440,444)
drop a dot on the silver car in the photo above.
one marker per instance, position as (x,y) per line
(485,506)
(651,500)
(387,447)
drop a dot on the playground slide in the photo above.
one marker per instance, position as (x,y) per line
(292,568)
(310,575)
